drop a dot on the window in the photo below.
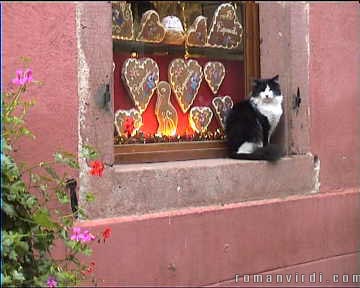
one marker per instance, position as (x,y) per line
(162,121)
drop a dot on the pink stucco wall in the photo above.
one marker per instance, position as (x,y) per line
(334,91)
(45,32)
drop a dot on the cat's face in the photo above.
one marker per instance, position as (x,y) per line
(267,91)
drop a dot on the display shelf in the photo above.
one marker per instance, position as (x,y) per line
(130,46)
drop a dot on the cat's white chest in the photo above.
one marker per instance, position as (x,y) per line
(273,112)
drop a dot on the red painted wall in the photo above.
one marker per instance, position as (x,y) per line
(45,32)
(335,92)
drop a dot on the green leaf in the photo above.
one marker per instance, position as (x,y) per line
(66,158)
(42,218)
(62,197)
(51,172)
(89,197)
(88,152)
(9,209)
(18,276)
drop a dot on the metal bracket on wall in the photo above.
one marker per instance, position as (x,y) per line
(71,185)
(297,101)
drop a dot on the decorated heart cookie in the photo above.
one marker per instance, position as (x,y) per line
(128,122)
(200,118)
(221,106)
(226,30)
(165,112)
(197,33)
(141,77)
(122,20)
(185,79)
(151,30)
(214,75)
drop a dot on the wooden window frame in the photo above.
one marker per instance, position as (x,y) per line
(160,152)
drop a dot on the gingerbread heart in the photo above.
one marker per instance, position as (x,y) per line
(226,30)
(165,112)
(185,79)
(140,77)
(122,20)
(151,30)
(200,118)
(221,106)
(197,33)
(128,122)
(214,75)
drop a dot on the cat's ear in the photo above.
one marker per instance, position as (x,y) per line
(254,82)
(275,78)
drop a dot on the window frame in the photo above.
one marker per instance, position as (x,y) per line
(129,189)
(160,152)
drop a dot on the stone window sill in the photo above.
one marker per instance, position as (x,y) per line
(153,187)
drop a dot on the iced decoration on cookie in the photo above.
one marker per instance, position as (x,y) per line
(122,21)
(226,30)
(214,75)
(165,112)
(185,79)
(200,118)
(197,33)
(140,77)
(127,122)
(222,104)
(151,30)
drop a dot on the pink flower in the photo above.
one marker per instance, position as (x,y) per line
(76,236)
(22,77)
(87,237)
(83,237)
(51,282)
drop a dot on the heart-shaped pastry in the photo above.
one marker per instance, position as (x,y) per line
(214,75)
(226,30)
(221,106)
(128,122)
(151,30)
(122,20)
(197,33)
(165,112)
(200,118)
(141,77)
(185,79)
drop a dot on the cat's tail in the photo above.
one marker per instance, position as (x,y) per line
(271,153)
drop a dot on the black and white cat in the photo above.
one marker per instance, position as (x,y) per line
(250,123)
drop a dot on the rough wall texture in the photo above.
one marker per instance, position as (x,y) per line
(45,32)
(335,90)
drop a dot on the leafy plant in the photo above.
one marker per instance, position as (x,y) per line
(30,229)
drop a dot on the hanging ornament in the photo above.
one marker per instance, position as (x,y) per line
(197,33)
(140,77)
(128,122)
(214,75)
(226,30)
(122,20)
(200,118)
(151,30)
(221,106)
(185,78)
